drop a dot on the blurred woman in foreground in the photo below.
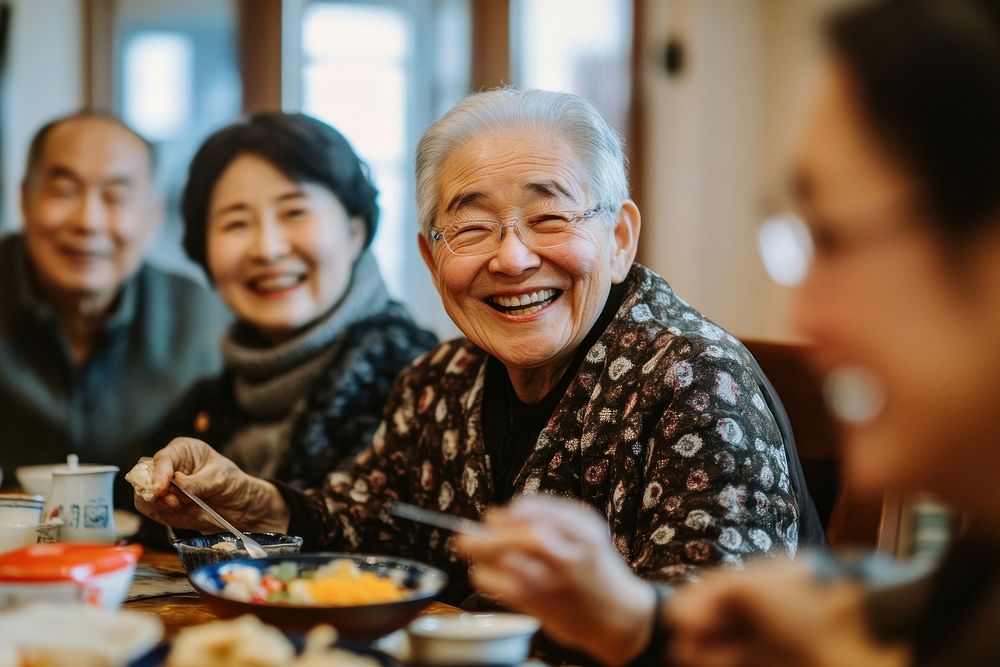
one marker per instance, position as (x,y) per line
(898,177)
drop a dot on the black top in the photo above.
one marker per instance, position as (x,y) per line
(510,426)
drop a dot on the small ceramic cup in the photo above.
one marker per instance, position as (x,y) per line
(471,639)
(19,518)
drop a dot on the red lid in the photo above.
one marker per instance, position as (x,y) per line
(65,562)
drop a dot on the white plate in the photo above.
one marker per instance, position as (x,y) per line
(72,632)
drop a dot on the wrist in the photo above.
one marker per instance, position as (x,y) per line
(629,626)
(272,514)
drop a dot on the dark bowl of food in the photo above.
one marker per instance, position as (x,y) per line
(363,596)
(220,547)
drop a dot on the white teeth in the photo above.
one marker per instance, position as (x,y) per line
(277,282)
(523,300)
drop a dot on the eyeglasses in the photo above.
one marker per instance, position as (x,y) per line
(789,247)
(540,230)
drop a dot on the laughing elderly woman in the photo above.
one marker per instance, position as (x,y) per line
(581,373)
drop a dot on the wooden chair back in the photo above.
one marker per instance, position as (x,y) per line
(850,520)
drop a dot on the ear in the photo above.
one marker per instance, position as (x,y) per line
(358,233)
(428,255)
(626,236)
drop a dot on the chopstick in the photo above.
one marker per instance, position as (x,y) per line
(450,522)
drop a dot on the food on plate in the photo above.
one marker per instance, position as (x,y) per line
(141,478)
(225,546)
(246,642)
(337,583)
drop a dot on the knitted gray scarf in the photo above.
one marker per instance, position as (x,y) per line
(269,380)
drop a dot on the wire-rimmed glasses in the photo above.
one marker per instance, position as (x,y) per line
(548,229)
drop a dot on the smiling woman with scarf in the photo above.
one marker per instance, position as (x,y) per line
(280,212)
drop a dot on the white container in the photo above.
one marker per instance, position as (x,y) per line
(19,518)
(91,575)
(82,497)
(471,639)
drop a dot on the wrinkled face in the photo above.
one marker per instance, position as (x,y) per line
(89,210)
(887,294)
(529,307)
(280,252)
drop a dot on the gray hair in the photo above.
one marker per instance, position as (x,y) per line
(571,117)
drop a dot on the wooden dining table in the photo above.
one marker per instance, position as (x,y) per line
(182,610)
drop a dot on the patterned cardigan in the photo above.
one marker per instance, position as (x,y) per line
(663,430)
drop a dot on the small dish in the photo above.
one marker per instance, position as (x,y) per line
(471,639)
(73,635)
(203,550)
(19,519)
(36,480)
(357,622)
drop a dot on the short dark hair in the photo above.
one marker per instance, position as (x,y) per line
(304,149)
(37,146)
(927,77)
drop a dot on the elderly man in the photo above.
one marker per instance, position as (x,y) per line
(581,374)
(95,346)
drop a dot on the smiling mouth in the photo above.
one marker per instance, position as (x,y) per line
(274,284)
(85,253)
(524,304)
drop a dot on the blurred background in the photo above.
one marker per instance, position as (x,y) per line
(704,91)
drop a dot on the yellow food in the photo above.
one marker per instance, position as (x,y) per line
(351,589)
(339,583)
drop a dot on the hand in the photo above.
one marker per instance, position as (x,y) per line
(774,613)
(247,502)
(552,558)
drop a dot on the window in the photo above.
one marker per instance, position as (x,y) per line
(588,55)
(159,68)
(380,72)
(176,80)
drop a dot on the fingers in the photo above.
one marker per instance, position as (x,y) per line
(576,518)
(181,455)
(188,515)
(520,580)
(539,540)
(176,456)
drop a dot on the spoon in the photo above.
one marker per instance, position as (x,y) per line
(250,544)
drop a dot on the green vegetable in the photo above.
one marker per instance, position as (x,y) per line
(284,572)
(277,597)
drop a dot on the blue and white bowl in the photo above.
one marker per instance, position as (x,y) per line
(360,622)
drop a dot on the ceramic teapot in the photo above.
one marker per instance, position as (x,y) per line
(82,498)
